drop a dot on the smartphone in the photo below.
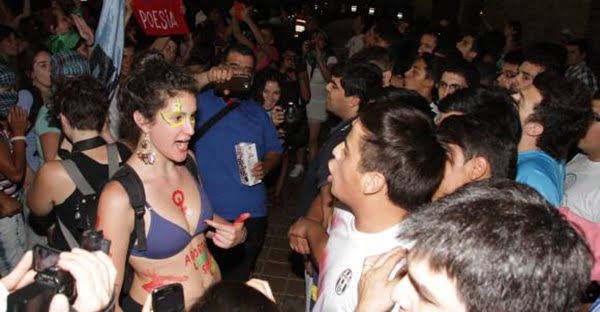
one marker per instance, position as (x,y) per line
(238,85)
(168,298)
(44,258)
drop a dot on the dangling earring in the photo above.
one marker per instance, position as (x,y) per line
(146,154)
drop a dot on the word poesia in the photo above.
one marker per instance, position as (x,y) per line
(161,19)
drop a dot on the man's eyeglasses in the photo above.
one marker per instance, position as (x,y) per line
(597,117)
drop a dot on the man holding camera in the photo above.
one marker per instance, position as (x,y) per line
(241,121)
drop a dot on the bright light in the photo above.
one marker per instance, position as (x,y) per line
(353,8)
(400,15)
(371,11)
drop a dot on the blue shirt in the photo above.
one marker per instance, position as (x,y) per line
(542,172)
(217,162)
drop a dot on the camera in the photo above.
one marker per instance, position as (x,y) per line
(50,280)
(238,86)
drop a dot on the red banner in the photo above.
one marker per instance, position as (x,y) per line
(160,17)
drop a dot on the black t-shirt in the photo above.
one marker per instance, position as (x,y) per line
(96,175)
(318,170)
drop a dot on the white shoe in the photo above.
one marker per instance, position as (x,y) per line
(297,171)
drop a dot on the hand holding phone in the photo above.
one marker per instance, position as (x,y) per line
(237,86)
(168,298)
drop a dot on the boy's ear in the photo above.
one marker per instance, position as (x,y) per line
(533,129)
(479,169)
(429,82)
(472,54)
(353,101)
(372,183)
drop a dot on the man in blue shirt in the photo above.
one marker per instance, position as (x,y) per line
(555,114)
(217,162)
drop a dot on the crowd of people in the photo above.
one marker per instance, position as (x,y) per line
(441,169)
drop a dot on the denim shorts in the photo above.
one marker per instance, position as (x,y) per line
(13,242)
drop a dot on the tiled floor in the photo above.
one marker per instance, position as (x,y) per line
(275,261)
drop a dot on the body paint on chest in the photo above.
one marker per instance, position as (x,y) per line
(178,199)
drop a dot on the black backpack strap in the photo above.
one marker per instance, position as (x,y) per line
(113,159)
(231,105)
(83,186)
(77,177)
(134,187)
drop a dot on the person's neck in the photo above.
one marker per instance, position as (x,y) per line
(44,90)
(426,93)
(346,116)
(594,157)
(527,144)
(80,135)
(582,62)
(377,214)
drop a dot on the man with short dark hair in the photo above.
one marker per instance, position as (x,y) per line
(555,113)
(494,245)
(455,75)
(481,130)
(378,56)
(421,75)
(509,71)
(349,91)
(541,57)
(387,167)
(428,43)
(217,162)
(381,33)
(470,47)
(421,78)
(577,51)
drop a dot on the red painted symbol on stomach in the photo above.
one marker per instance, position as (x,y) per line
(160,280)
(178,199)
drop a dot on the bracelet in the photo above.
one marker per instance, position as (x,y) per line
(90,45)
(18,138)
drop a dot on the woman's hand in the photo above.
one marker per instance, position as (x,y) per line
(227,234)
(277,115)
(83,29)
(21,276)
(17,120)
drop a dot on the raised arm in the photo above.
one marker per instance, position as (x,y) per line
(237,32)
(12,165)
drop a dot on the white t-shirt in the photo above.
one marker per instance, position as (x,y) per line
(355,44)
(342,263)
(317,82)
(582,188)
